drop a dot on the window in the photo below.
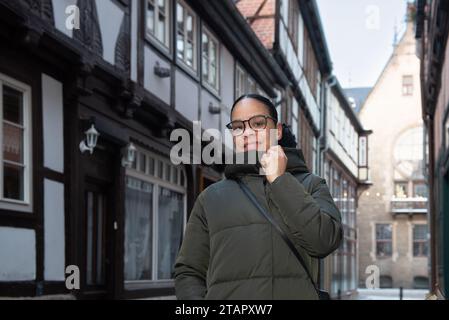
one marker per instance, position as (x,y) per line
(170,227)
(311,70)
(385,282)
(210,56)
(363,150)
(420,282)
(240,82)
(354,138)
(251,85)
(293,17)
(445,134)
(407,85)
(155,216)
(327,174)
(158,20)
(348,136)
(409,161)
(315,164)
(420,243)
(338,126)
(384,240)
(244,83)
(332,113)
(401,190)
(409,145)
(15,141)
(344,202)
(295,117)
(420,190)
(138,230)
(344,273)
(307,137)
(186,37)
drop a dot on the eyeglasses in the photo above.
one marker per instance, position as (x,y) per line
(257,123)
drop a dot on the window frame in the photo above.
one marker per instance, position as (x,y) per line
(306,136)
(240,81)
(153,35)
(422,243)
(293,22)
(244,83)
(157,184)
(310,65)
(377,241)
(295,113)
(204,81)
(26,203)
(419,183)
(407,86)
(402,183)
(187,10)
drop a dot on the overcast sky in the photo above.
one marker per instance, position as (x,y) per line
(360,36)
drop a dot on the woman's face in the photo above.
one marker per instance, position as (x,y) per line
(251,139)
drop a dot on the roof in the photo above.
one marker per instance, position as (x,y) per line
(225,20)
(357,96)
(349,111)
(261,16)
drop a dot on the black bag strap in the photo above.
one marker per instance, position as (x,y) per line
(281,232)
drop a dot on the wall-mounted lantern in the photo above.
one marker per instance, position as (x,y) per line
(129,155)
(90,142)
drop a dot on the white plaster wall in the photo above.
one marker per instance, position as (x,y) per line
(53,120)
(17,254)
(54,231)
(186,96)
(110,18)
(158,86)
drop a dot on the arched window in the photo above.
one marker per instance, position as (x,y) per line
(409,164)
(409,154)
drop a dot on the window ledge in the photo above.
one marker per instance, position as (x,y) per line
(13,205)
(139,285)
(154,43)
(211,90)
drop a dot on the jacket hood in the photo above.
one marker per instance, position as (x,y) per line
(295,164)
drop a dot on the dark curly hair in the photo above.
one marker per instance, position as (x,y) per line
(288,139)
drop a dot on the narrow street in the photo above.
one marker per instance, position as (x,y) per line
(127,135)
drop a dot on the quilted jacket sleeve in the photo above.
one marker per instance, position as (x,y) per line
(312,218)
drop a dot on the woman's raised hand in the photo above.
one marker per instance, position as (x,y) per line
(274,163)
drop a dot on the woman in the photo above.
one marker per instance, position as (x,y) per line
(229,250)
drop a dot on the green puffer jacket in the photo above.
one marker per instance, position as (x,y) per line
(230,251)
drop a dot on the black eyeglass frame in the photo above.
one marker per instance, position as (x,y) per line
(229,125)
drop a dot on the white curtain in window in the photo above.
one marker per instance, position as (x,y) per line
(170,217)
(138,229)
